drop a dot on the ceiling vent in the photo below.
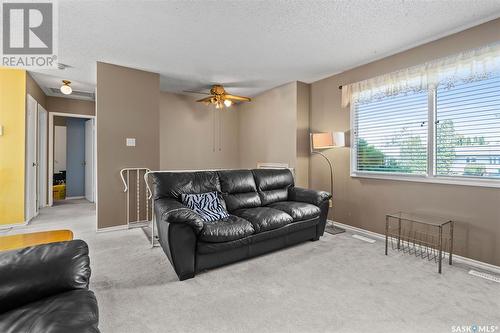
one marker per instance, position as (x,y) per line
(84,94)
(62,66)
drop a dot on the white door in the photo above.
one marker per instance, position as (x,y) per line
(42,156)
(89,160)
(31,207)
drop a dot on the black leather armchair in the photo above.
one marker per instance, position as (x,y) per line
(44,288)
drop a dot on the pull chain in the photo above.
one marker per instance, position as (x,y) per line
(214,129)
(220,131)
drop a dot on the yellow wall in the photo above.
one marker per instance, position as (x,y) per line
(12,143)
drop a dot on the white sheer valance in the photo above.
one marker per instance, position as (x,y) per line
(463,67)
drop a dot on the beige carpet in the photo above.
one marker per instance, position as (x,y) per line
(337,284)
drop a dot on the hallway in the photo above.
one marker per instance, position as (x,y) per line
(78,215)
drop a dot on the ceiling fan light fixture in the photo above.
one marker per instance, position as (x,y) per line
(65,88)
(220,98)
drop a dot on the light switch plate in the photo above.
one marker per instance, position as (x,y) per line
(130,142)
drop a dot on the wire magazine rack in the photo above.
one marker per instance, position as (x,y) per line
(425,237)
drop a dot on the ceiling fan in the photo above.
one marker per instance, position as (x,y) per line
(220,98)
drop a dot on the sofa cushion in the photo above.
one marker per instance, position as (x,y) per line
(206,248)
(286,230)
(264,218)
(297,210)
(273,184)
(174,184)
(238,189)
(207,205)
(226,230)
(71,311)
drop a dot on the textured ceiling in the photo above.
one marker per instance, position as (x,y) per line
(249,45)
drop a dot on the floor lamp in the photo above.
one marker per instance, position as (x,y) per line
(322,141)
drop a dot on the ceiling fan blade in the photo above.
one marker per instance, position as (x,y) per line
(237,98)
(206,99)
(196,92)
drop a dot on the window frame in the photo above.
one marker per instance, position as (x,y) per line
(431,176)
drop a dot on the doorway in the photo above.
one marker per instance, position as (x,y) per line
(43,123)
(31,197)
(36,191)
(71,157)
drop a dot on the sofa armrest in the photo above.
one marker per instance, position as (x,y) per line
(172,211)
(309,196)
(178,227)
(318,198)
(36,272)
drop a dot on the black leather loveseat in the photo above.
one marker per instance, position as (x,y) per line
(267,212)
(44,288)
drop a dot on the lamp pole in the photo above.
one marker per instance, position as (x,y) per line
(331,168)
(333,230)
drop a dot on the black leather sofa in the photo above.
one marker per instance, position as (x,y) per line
(267,212)
(44,288)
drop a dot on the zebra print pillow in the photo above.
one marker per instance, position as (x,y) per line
(207,205)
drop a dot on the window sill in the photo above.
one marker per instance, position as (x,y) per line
(493,183)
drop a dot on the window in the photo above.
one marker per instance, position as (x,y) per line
(452,132)
(392,134)
(468,129)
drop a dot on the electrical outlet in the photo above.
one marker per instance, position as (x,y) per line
(330,203)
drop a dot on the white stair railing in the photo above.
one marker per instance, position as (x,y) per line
(140,197)
(150,197)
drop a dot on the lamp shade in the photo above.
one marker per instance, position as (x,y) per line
(327,140)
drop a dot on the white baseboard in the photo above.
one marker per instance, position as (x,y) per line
(115,228)
(5,227)
(73,198)
(9,227)
(463,260)
(364,239)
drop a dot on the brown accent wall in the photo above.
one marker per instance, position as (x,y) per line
(70,105)
(274,127)
(35,91)
(127,107)
(268,127)
(303,147)
(60,121)
(363,203)
(196,136)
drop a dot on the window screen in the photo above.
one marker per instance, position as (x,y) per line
(390,134)
(468,129)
